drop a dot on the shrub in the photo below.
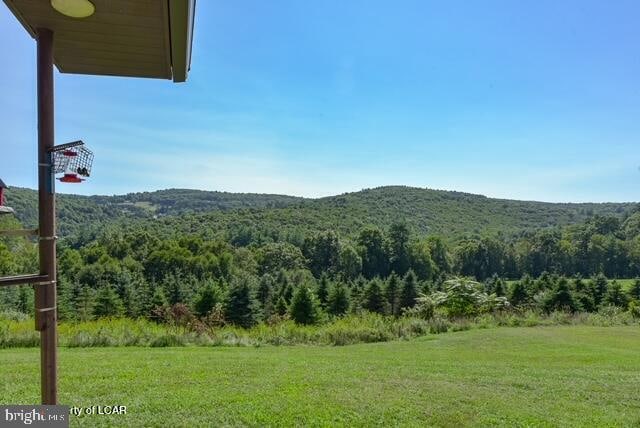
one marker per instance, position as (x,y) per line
(423,309)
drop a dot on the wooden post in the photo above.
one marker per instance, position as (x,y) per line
(45,292)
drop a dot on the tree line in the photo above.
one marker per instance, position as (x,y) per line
(137,273)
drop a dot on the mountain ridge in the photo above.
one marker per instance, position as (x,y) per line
(427,211)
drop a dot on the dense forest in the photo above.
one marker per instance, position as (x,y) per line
(218,214)
(250,258)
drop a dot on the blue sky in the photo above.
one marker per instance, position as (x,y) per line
(524,100)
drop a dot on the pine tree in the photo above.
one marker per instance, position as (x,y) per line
(561,298)
(108,303)
(144,296)
(529,284)
(25,299)
(373,299)
(634,292)
(66,298)
(287,293)
(84,304)
(338,303)
(175,290)
(615,296)
(391,294)
(599,286)
(357,289)
(499,288)
(409,292)
(544,282)
(281,306)
(207,299)
(241,307)
(265,290)
(583,295)
(130,301)
(158,300)
(519,294)
(303,308)
(323,290)
(495,285)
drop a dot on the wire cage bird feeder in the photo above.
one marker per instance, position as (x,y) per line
(73,161)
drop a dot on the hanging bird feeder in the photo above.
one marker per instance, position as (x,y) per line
(73,161)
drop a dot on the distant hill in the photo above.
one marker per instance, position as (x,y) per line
(426,211)
(76,212)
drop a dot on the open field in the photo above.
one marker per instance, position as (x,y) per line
(544,376)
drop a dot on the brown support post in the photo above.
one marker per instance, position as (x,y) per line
(45,299)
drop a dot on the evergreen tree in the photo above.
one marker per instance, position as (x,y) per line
(322,292)
(634,292)
(615,296)
(499,288)
(519,294)
(25,299)
(338,303)
(583,295)
(241,307)
(144,296)
(130,301)
(207,299)
(66,299)
(175,290)
(409,292)
(265,295)
(158,300)
(561,298)
(426,287)
(287,292)
(392,293)
(599,286)
(265,290)
(529,284)
(544,282)
(373,298)
(108,303)
(303,308)
(399,248)
(357,289)
(495,285)
(84,304)
(281,306)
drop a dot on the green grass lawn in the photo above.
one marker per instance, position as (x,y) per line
(546,376)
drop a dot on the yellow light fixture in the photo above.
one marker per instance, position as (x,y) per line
(74,8)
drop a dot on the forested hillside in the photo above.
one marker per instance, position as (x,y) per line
(249,216)
(76,213)
(251,258)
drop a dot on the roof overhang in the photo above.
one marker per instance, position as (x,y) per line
(135,38)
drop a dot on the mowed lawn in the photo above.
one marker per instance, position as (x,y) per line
(548,376)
